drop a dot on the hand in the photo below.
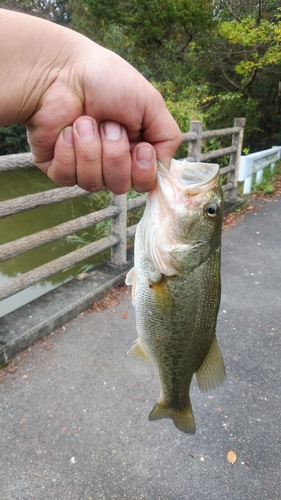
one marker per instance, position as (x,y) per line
(92,119)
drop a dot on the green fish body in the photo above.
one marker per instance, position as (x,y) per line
(176,286)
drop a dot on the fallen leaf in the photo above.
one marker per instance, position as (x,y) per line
(48,346)
(220,409)
(11,368)
(231,456)
(124,315)
(111,299)
(248,463)
(63,429)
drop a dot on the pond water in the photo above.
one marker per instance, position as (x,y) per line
(20,183)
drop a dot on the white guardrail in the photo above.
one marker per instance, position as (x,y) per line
(254,163)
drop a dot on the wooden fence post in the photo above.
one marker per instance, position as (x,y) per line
(194,146)
(237,141)
(119,229)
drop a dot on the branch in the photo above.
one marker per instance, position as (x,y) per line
(252,78)
(187,43)
(227,77)
(226,5)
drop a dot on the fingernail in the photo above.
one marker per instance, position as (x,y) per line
(144,156)
(68,136)
(112,130)
(86,130)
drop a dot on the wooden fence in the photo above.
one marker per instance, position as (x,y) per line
(116,212)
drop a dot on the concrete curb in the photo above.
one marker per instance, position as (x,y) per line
(29,323)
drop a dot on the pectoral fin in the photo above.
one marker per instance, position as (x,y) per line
(161,296)
(211,373)
(138,351)
(183,419)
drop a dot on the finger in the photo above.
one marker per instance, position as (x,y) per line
(161,130)
(144,167)
(116,157)
(87,145)
(58,111)
(62,168)
(136,104)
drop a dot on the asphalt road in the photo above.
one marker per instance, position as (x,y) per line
(73,415)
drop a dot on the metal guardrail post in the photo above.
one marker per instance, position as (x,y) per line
(119,229)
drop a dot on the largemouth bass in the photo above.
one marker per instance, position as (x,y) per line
(176,285)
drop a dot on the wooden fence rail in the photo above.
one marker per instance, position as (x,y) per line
(116,212)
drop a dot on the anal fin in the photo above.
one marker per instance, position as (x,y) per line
(183,419)
(211,373)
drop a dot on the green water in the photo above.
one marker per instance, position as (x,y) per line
(19,183)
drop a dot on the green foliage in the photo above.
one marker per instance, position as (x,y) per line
(154,35)
(261,42)
(13,140)
(183,103)
(266,185)
(55,11)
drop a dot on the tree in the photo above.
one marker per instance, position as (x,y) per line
(238,67)
(154,35)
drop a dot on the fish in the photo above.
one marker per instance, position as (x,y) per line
(176,286)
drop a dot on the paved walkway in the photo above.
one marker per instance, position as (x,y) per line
(73,419)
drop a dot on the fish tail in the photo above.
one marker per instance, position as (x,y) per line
(183,419)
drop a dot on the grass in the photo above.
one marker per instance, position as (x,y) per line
(266,185)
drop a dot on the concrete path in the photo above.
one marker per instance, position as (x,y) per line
(73,419)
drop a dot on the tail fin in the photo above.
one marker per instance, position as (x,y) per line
(183,419)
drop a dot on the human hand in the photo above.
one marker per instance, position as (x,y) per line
(95,136)
(94,120)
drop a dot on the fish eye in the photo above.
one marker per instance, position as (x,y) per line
(211,210)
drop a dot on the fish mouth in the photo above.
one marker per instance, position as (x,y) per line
(192,178)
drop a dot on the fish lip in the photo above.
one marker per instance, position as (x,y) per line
(190,177)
